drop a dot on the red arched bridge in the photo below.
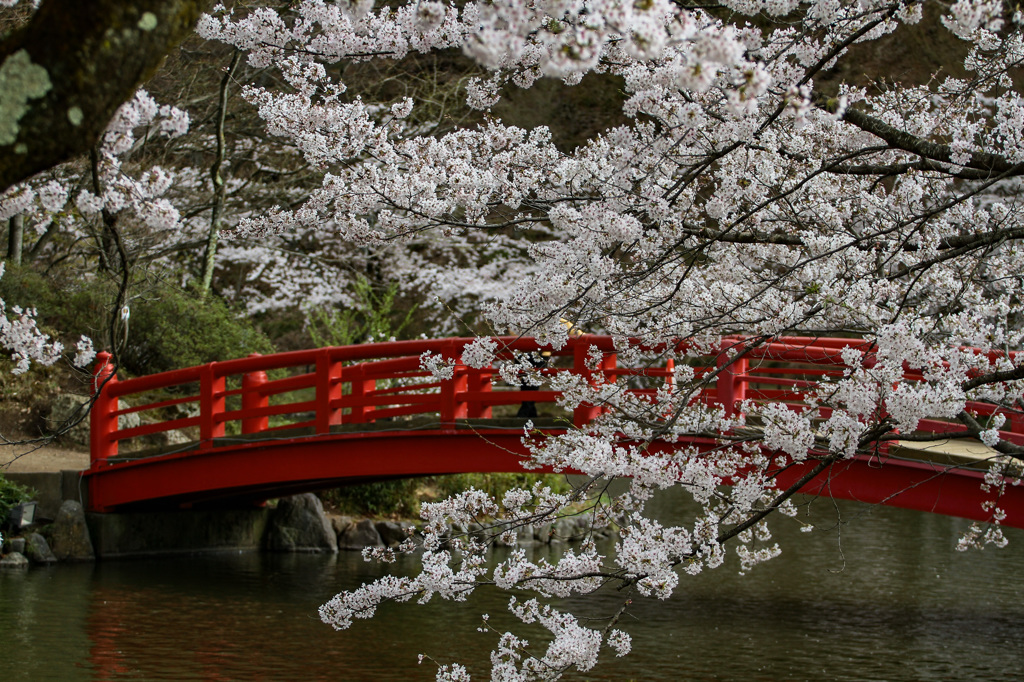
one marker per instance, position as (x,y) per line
(265,426)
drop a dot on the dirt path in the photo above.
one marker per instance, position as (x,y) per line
(31,458)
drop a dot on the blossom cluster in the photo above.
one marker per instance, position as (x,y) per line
(142,195)
(26,343)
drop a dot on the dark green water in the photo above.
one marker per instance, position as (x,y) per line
(884,597)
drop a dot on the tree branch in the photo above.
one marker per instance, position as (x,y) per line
(1014,374)
(991,164)
(974,430)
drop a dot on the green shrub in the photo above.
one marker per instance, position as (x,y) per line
(169,327)
(72,309)
(11,495)
(173,328)
(496,484)
(374,313)
(383,498)
(402,497)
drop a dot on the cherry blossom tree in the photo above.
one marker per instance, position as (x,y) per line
(748,196)
(755,189)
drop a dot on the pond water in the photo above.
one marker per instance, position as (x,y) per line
(872,594)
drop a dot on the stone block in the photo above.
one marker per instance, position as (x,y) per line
(339,524)
(14,560)
(394,532)
(68,407)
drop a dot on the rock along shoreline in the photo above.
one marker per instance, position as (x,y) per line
(296,524)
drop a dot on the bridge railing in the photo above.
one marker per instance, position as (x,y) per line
(321,389)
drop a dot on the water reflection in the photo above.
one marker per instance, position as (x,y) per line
(883,598)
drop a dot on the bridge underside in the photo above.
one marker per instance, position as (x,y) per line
(250,472)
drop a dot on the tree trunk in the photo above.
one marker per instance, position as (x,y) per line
(43,240)
(66,73)
(218,181)
(15,238)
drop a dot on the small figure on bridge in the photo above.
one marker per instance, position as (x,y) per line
(528,409)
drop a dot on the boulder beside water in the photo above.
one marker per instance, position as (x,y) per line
(298,524)
(393,533)
(359,535)
(38,550)
(13,560)
(66,408)
(70,535)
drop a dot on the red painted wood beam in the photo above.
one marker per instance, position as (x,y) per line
(264,469)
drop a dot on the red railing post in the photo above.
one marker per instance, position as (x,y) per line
(253,399)
(453,401)
(328,390)
(584,412)
(729,387)
(1015,421)
(670,382)
(361,388)
(211,405)
(479,381)
(609,362)
(102,420)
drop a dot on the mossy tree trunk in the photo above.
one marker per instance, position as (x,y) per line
(67,71)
